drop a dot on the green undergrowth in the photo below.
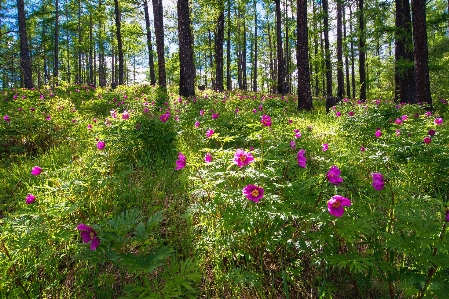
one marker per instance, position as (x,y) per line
(174,228)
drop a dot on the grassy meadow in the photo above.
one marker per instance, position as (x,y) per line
(137,193)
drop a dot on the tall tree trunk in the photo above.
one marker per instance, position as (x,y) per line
(327,54)
(405,89)
(348,85)
(340,75)
(91,50)
(25,63)
(255,49)
(78,80)
(159,32)
(219,38)
(56,49)
(228,51)
(421,52)
(352,53)
(315,46)
(101,55)
(187,67)
(280,55)
(211,62)
(149,43)
(273,87)
(118,25)
(287,51)
(69,75)
(362,54)
(244,79)
(304,94)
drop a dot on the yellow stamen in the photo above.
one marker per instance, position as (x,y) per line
(336,204)
(255,193)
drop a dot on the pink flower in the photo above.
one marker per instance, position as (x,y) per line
(36,170)
(431,132)
(351,113)
(242,158)
(293,144)
(297,134)
(253,192)
(378,133)
(302,160)
(30,199)
(266,120)
(336,205)
(164,117)
(427,140)
(378,181)
(6,118)
(236,110)
(101,145)
(398,121)
(438,121)
(197,124)
(208,158)
(447,216)
(209,133)
(325,147)
(181,162)
(404,117)
(89,127)
(88,234)
(48,118)
(215,115)
(113,113)
(201,112)
(338,113)
(362,149)
(398,132)
(333,175)
(125,115)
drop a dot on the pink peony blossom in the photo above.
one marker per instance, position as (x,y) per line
(336,205)
(253,192)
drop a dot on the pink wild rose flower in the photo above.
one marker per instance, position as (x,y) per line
(253,192)
(88,234)
(333,176)
(36,170)
(302,160)
(378,181)
(181,162)
(242,158)
(336,205)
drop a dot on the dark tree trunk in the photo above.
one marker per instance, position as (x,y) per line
(287,52)
(362,54)
(280,55)
(340,75)
(159,32)
(327,54)
(255,49)
(101,57)
(228,51)
(25,63)
(149,43)
(187,67)
(304,94)
(273,87)
(421,52)
(91,50)
(211,62)
(219,38)
(118,25)
(56,49)
(69,75)
(348,85)
(405,90)
(315,46)
(79,79)
(244,79)
(352,54)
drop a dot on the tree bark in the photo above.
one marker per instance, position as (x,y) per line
(101,57)
(159,32)
(405,89)
(304,94)
(362,55)
(219,38)
(149,43)
(228,51)
(255,49)
(421,52)
(244,79)
(118,25)
(187,67)
(56,49)
(91,50)
(348,85)
(352,53)
(280,55)
(25,63)
(340,75)
(327,55)
(79,79)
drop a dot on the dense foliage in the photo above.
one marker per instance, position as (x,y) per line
(136,193)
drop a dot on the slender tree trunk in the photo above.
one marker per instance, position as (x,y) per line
(149,43)
(25,63)
(91,50)
(187,67)
(315,48)
(244,78)
(79,79)
(421,52)
(340,75)
(56,49)
(405,89)
(280,54)
(352,53)
(69,75)
(304,94)
(287,51)
(159,32)
(101,57)
(362,54)
(273,86)
(255,49)
(211,62)
(219,38)
(348,85)
(326,49)
(118,26)
(228,51)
